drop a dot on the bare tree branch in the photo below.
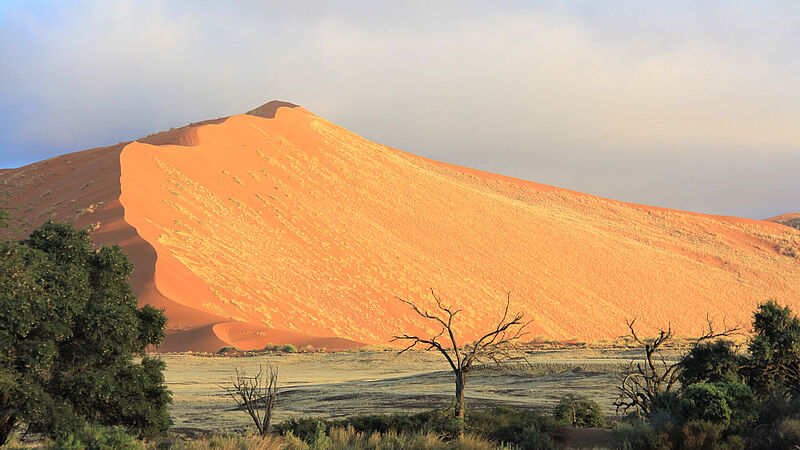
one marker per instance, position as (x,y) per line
(654,374)
(256,395)
(495,346)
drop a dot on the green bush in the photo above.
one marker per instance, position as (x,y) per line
(70,332)
(580,412)
(743,404)
(533,438)
(774,349)
(706,402)
(92,437)
(710,362)
(289,348)
(501,424)
(697,434)
(638,435)
(509,425)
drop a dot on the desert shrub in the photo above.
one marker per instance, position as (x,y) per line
(509,425)
(501,425)
(783,434)
(437,421)
(743,404)
(697,434)
(533,438)
(666,403)
(580,412)
(775,349)
(706,402)
(638,435)
(710,362)
(69,333)
(289,348)
(778,422)
(92,437)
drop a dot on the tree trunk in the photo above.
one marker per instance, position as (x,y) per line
(7,422)
(461,380)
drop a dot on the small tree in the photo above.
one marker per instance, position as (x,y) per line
(656,375)
(256,395)
(496,346)
(579,411)
(775,348)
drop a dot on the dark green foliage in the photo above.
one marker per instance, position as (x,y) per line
(705,402)
(709,362)
(92,437)
(777,421)
(533,438)
(289,348)
(510,425)
(666,402)
(697,435)
(502,424)
(743,404)
(70,327)
(775,348)
(692,435)
(730,405)
(587,413)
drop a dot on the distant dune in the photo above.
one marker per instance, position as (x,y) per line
(790,220)
(278,227)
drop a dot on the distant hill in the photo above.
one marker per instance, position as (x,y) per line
(790,220)
(278,226)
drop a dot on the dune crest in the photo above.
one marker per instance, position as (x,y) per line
(277,226)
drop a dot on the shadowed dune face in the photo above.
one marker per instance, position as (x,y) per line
(278,226)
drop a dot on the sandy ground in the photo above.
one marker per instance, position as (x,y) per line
(351,383)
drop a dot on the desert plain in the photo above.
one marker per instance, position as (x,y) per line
(343,384)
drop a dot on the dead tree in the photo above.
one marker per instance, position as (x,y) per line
(645,379)
(496,346)
(256,395)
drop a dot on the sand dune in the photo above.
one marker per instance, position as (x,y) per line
(277,226)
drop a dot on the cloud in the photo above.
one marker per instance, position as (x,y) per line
(689,105)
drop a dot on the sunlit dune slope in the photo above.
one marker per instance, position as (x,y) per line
(279,227)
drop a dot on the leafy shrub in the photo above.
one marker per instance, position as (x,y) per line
(697,434)
(779,422)
(710,362)
(579,412)
(509,425)
(93,437)
(638,435)
(705,402)
(501,424)
(533,438)
(743,405)
(775,348)
(289,348)
(70,332)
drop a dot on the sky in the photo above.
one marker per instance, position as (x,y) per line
(692,105)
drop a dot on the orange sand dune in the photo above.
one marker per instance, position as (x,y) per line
(277,226)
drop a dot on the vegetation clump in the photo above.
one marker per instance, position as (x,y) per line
(729,399)
(579,412)
(70,332)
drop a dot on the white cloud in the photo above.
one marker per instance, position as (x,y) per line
(578,96)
